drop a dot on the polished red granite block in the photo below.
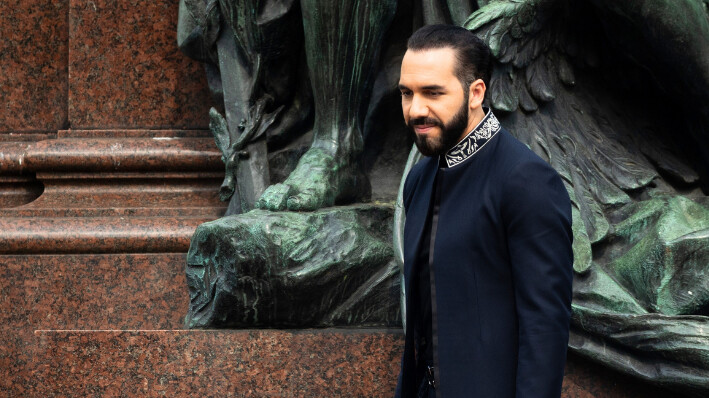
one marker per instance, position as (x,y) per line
(133,133)
(125,70)
(18,190)
(159,191)
(211,213)
(109,291)
(586,379)
(97,234)
(26,137)
(142,154)
(320,363)
(310,363)
(33,65)
(17,353)
(92,291)
(124,170)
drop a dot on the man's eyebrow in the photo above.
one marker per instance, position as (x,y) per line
(429,87)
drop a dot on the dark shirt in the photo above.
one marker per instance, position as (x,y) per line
(423,331)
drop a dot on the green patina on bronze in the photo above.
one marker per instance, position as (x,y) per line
(314,182)
(661,255)
(341,46)
(331,267)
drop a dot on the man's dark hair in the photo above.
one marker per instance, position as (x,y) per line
(473,55)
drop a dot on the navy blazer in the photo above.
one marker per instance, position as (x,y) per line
(501,273)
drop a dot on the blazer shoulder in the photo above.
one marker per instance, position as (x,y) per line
(516,157)
(525,174)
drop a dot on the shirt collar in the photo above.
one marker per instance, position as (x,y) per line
(476,139)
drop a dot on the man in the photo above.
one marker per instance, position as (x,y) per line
(487,242)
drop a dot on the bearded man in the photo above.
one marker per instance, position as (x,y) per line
(487,242)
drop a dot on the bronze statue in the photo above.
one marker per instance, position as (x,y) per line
(612,94)
(259,58)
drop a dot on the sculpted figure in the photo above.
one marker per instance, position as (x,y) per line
(252,57)
(258,55)
(612,94)
(286,68)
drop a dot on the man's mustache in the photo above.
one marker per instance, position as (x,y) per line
(425,121)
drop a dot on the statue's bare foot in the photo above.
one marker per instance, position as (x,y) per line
(318,181)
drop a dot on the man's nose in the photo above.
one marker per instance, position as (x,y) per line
(419,107)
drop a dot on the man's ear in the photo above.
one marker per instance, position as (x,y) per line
(476,94)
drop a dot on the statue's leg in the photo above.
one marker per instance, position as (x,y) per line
(258,50)
(342,41)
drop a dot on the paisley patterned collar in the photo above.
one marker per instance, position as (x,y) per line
(476,139)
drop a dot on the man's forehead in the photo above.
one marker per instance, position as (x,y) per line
(427,64)
(440,52)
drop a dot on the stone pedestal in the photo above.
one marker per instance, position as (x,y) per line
(217,363)
(80,292)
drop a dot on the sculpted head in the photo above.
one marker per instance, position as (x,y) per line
(444,76)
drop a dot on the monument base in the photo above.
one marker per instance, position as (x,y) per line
(61,313)
(249,363)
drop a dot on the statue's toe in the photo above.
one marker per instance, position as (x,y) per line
(275,197)
(307,200)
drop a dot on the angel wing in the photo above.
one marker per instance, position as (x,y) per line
(551,83)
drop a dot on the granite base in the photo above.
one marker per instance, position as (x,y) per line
(245,363)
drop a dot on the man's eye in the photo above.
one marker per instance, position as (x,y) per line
(406,93)
(434,93)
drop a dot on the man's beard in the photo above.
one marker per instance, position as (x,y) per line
(450,132)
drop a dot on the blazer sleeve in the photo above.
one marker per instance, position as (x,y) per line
(536,211)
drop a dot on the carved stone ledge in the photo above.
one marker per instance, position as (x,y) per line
(111,155)
(97,234)
(18,190)
(130,191)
